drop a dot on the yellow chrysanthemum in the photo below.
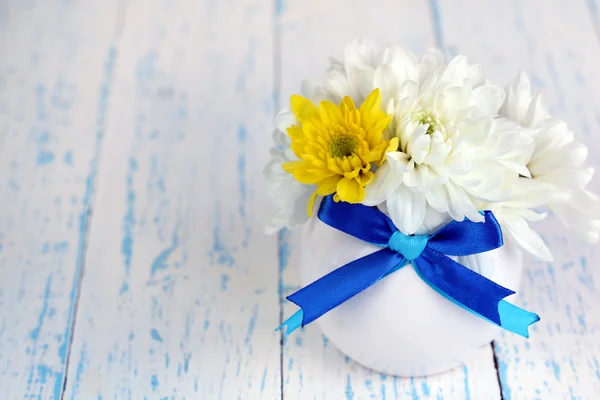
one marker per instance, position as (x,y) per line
(337,144)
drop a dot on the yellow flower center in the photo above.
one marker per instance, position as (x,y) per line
(343,146)
(429,117)
(336,145)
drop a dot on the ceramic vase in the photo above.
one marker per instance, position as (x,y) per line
(400,325)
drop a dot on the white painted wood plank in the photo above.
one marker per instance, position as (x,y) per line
(594,8)
(555,42)
(179,297)
(55,71)
(311,31)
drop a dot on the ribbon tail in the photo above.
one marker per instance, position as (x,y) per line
(462,286)
(396,268)
(474,293)
(340,285)
(515,319)
(292,323)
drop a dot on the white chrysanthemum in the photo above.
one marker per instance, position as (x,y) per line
(556,167)
(454,156)
(515,213)
(288,196)
(521,105)
(558,161)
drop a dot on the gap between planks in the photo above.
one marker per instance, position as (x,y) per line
(86,218)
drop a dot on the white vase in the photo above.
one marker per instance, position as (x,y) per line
(400,325)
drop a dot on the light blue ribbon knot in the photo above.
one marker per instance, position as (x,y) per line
(411,247)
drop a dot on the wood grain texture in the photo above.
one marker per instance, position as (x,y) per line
(132,138)
(55,69)
(179,297)
(312,367)
(555,43)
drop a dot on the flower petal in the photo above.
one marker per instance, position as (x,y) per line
(311,175)
(291,166)
(568,178)
(437,198)
(350,190)
(337,85)
(434,220)
(577,220)
(303,108)
(384,181)
(403,62)
(284,119)
(365,178)
(526,238)
(460,205)
(360,52)
(309,87)
(398,161)
(330,113)
(329,186)
(370,109)
(536,112)
(385,80)
(456,70)
(311,204)
(407,209)
(487,98)
(571,155)
(418,148)
(530,193)
(431,61)
(518,98)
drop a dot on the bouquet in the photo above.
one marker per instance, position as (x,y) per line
(427,148)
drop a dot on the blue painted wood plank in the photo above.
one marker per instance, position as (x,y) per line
(560,358)
(179,298)
(54,81)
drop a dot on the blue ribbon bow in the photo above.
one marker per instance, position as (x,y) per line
(428,255)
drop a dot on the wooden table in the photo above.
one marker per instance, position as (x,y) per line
(133,135)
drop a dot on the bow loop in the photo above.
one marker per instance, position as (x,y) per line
(466,238)
(365,223)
